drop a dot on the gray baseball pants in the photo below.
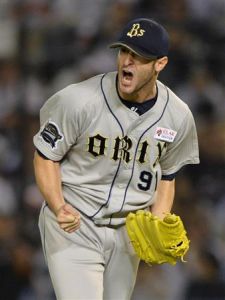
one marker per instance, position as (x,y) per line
(93,263)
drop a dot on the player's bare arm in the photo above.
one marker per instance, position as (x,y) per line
(47,173)
(164,198)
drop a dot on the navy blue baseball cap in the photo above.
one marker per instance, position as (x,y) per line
(144,37)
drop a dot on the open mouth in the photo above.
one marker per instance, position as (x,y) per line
(127,75)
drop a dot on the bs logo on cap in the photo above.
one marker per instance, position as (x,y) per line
(136,31)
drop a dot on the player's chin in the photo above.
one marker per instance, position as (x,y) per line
(126,88)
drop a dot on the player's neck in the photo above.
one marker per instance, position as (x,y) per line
(146,94)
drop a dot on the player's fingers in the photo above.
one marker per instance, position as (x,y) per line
(67,217)
(70,209)
(62,218)
(64,225)
(71,227)
(66,213)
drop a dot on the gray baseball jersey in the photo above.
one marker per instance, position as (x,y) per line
(111,158)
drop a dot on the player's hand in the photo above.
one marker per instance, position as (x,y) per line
(68,218)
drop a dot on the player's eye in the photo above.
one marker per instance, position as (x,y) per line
(124,50)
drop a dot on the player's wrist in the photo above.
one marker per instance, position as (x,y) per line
(56,209)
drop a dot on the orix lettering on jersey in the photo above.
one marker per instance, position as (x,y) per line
(97,146)
(122,146)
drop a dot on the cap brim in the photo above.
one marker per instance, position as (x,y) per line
(132,48)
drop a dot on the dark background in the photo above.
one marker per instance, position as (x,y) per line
(46,45)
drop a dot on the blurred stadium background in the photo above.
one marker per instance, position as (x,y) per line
(48,44)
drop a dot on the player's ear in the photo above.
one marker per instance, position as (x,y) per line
(161,63)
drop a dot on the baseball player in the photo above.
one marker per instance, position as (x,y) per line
(107,146)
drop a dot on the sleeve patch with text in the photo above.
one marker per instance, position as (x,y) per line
(51,134)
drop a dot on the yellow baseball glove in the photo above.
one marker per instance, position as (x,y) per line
(157,241)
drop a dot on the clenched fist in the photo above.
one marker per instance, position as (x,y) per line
(68,218)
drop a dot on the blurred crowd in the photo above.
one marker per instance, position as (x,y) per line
(46,45)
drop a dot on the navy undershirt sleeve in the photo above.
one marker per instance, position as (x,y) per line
(169,177)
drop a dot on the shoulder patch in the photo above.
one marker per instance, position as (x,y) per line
(51,134)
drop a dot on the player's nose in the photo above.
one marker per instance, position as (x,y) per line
(128,58)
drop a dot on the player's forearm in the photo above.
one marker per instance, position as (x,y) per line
(164,198)
(48,179)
